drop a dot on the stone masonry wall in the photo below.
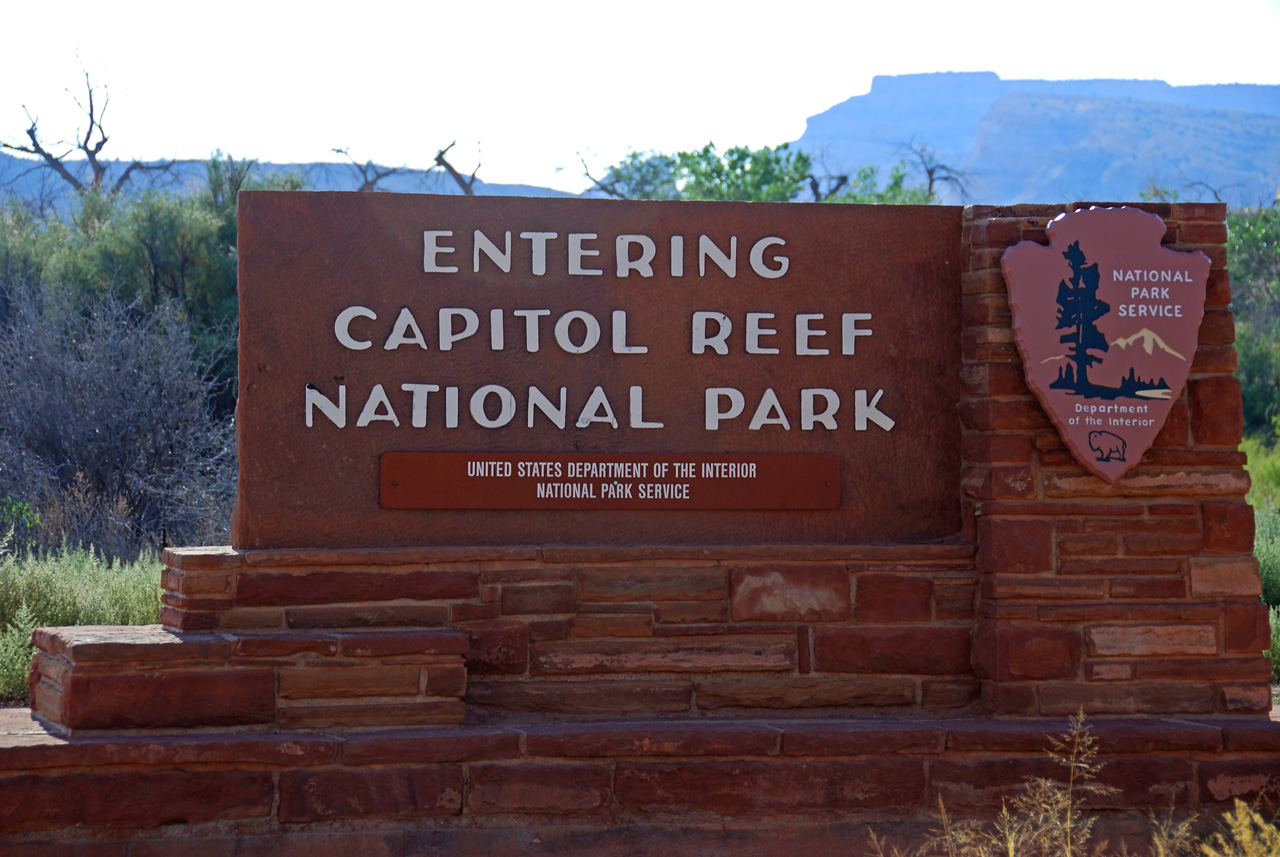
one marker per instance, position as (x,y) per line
(1138,597)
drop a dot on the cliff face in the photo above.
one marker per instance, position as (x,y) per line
(1032,140)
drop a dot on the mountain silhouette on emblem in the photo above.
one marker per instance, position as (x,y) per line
(1149,339)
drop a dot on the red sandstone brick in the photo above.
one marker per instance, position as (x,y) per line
(489,594)
(681,654)
(1218,289)
(948,693)
(219,558)
(1228,528)
(283,645)
(1084,544)
(130,644)
(744,787)
(1015,546)
(154,798)
(1162,544)
(265,589)
(1261,736)
(538,787)
(446,680)
(366,615)
(1040,588)
(294,842)
(1147,482)
(1108,671)
(798,693)
(379,714)
(1218,328)
(1148,587)
(1176,431)
(1228,780)
(1003,698)
(526,574)
(168,698)
(1213,576)
(1252,698)
(683,612)
(997,448)
(1168,698)
(1216,417)
(1026,653)
(1144,782)
(1184,612)
(498,648)
(863,738)
(1144,641)
(473,612)
(538,598)
(893,598)
(953,602)
(1061,510)
(426,746)
(914,650)
(1109,567)
(377,644)
(980,259)
(620,625)
(583,698)
(982,282)
(1002,416)
(657,738)
(781,593)
(1223,668)
(984,309)
(316,682)
(999,232)
(1216,252)
(325,795)
(1211,212)
(1221,360)
(1173,510)
(548,629)
(652,584)
(1169,525)
(1248,628)
(1202,233)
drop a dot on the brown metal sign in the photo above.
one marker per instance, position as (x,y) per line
(1107,322)
(465,480)
(375,324)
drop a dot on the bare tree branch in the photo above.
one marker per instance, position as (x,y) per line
(368,173)
(834,184)
(466,184)
(936,173)
(607,188)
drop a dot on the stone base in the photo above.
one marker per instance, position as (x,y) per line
(144,677)
(678,786)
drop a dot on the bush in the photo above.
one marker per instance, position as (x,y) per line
(69,586)
(105,428)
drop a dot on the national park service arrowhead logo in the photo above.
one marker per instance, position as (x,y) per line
(1107,322)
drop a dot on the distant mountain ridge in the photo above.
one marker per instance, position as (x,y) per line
(1047,140)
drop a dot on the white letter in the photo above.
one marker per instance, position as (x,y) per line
(343,321)
(755,331)
(337,414)
(588,342)
(849,326)
(450,407)
(769,404)
(637,410)
(717,342)
(446,335)
(591,411)
(804,334)
(542,403)
(501,258)
(538,241)
(620,335)
(530,317)
(576,253)
(419,392)
(377,399)
(728,264)
(714,415)
(863,411)
(677,255)
(504,416)
(404,324)
(757,259)
(622,247)
(430,250)
(809,417)
(496,340)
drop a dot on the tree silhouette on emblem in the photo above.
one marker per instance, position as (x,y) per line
(1078,309)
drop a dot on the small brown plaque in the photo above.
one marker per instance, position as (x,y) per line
(464,480)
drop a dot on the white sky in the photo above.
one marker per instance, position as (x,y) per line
(524,87)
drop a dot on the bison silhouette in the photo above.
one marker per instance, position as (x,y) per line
(1110,447)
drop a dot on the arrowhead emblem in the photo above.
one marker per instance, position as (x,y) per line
(1107,322)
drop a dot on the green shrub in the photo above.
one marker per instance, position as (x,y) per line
(1274,654)
(67,587)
